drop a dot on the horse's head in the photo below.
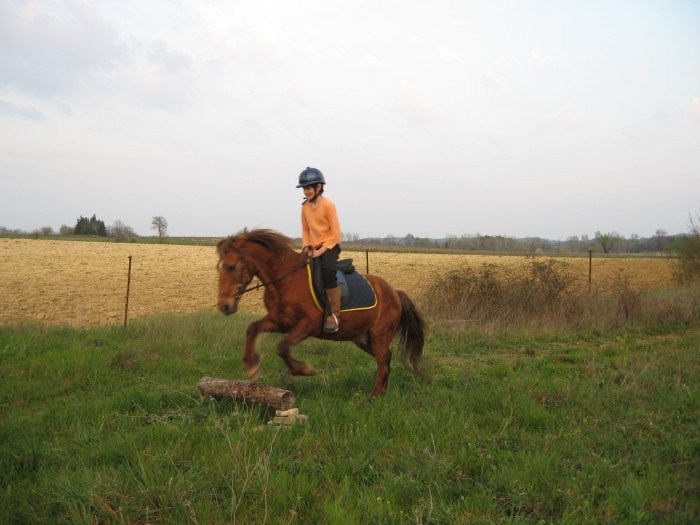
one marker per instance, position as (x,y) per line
(241,257)
(235,273)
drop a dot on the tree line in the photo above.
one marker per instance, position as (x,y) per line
(608,243)
(94,226)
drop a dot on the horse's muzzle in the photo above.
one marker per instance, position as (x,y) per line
(229,306)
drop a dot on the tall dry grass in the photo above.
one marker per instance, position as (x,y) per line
(545,293)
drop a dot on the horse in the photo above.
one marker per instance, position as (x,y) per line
(291,309)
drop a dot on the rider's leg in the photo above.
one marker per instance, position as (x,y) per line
(331,324)
(329,260)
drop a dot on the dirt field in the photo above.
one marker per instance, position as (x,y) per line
(84,283)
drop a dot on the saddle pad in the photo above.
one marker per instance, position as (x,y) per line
(360,294)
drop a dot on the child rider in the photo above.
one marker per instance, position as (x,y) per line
(320,233)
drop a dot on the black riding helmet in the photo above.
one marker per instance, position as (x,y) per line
(309,177)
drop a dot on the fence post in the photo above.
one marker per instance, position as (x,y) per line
(367,262)
(590,270)
(128,286)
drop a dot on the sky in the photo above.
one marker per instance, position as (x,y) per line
(538,118)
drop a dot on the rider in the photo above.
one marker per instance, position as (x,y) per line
(320,230)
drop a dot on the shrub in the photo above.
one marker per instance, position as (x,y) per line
(687,268)
(544,293)
(536,290)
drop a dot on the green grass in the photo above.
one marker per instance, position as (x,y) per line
(106,426)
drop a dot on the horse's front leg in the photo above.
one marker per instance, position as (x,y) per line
(251,358)
(300,332)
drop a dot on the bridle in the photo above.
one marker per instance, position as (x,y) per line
(243,288)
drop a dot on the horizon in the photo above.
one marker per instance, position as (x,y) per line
(360,238)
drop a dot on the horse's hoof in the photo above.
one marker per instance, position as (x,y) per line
(305,370)
(254,373)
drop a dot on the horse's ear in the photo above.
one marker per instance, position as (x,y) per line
(220,246)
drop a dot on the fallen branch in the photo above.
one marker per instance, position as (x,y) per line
(246,391)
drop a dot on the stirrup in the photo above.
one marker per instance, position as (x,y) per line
(331,326)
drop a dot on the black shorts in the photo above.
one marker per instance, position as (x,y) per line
(329,260)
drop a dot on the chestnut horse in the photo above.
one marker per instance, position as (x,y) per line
(291,310)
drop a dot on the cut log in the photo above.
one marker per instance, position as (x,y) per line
(246,391)
(288,418)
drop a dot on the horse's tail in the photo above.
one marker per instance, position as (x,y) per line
(411,332)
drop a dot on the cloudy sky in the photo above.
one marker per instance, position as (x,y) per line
(443,117)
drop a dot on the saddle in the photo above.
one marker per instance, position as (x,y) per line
(355,291)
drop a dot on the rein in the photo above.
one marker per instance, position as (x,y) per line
(242,288)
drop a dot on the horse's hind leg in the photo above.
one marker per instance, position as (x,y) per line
(363,343)
(382,353)
(379,349)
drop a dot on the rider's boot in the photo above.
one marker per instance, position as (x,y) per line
(332,324)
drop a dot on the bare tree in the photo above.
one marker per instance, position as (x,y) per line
(160,225)
(660,240)
(119,229)
(611,242)
(349,237)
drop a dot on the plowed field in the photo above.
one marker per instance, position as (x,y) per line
(84,283)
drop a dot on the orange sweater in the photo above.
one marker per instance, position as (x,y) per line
(319,224)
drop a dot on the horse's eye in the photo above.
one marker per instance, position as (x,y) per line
(231,267)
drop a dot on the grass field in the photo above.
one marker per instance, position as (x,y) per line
(104,425)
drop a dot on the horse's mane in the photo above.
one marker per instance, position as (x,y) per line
(274,241)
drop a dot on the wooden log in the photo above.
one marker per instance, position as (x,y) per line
(246,391)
